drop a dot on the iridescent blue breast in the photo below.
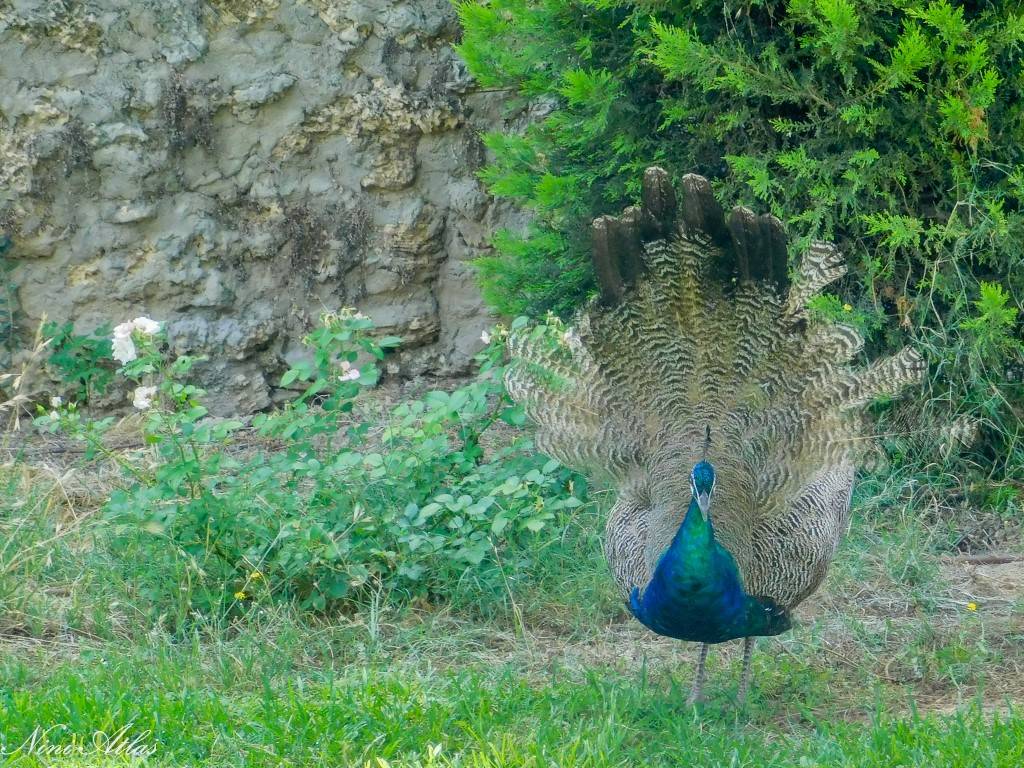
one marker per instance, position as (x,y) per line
(696,592)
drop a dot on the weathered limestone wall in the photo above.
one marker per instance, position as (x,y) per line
(236,167)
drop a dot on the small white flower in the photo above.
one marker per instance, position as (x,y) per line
(123,348)
(350,373)
(485,337)
(56,402)
(146,326)
(143,398)
(124,330)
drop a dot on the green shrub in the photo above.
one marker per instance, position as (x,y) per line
(316,502)
(80,360)
(895,128)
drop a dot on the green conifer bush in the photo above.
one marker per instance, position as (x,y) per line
(894,128)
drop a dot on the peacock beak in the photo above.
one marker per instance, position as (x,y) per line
(704,502)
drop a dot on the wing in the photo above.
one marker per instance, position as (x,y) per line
(792,550)
(624,542)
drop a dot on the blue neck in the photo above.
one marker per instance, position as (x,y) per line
(696,592)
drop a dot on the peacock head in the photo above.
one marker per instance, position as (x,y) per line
(702,485)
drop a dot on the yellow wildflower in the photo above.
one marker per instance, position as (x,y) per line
(972,606)
(255,576)
(847,307)
(240,595)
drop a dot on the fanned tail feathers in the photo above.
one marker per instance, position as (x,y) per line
(699,324)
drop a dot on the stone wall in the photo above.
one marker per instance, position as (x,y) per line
(236,167)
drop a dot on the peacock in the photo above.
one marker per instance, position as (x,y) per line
(724,412)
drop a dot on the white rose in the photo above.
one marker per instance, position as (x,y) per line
(143,397)
(123,348)
(124,330)
(146,325)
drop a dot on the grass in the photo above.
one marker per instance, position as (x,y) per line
(887,666)
(235,705)
(256,701)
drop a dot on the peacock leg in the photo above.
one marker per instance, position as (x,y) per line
(698,680)
(748,652)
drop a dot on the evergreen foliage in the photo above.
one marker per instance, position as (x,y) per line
(894,128)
